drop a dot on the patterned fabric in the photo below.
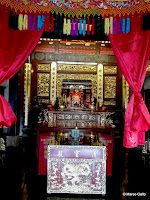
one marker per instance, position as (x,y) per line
(76,8)
(80,3)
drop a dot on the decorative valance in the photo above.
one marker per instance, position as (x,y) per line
(80,7)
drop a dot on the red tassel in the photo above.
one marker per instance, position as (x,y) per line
(47,23)
(88,26)
(93,26)
(52,23)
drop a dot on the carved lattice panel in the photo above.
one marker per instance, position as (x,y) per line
(43,67)
(76,169)
(91,77)
(110,103)
(43,83)
(109,87)
(44,101)
(76,68)
(110,69)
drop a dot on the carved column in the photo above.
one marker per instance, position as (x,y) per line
(125,93)
(27,91)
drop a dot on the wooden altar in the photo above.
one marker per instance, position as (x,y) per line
(75,81)
(97,128)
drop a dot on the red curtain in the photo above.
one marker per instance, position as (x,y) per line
(15,47)
(132,54)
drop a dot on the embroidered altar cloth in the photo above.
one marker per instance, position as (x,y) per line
(76,169)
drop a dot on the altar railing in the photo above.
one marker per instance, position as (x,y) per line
(80,119)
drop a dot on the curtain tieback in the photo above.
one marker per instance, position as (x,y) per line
(137,93)
(138,96)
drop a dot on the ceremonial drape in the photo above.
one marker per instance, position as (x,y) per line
(15,47)
(132,54)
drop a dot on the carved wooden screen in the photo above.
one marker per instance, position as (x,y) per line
(109,91)
(41,82)
(112,85)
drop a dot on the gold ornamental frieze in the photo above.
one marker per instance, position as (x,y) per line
(43,84)
(109,87)
(76,68)
(43,67)
(44,101)
(109,103)
(92,77)
(110,69)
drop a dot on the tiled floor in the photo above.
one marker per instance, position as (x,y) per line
(20,180)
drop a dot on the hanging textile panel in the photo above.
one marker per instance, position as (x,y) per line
(126,48)
(76,169)
(17,46)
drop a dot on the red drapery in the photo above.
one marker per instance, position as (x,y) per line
(15,47)
(132,54)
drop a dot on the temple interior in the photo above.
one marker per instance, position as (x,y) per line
(84,92)
(70,98)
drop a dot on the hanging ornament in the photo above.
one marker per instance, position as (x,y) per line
(111,25)
(60,32)
(52,23)
(80,26)
(34,23)
(68,27)
(40,22)
(29,22)
(123,25)
(47,23)
(106,29)
(119,26)
(11,19)
(128,25)
(20,22)
(25,22)
(88,26)
(72,27)
(114,26)
(76,27)
(93,26)
(65,27)
(56,25)
(84,27)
